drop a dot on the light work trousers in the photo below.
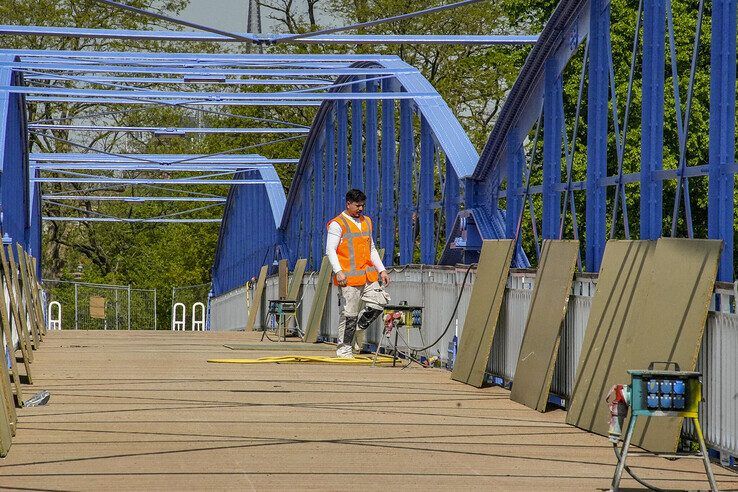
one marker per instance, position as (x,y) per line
(350,299)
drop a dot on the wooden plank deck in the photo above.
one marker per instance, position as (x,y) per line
(143,410)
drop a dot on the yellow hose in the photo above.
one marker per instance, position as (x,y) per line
(291,359)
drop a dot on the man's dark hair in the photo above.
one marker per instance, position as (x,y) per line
(355,196)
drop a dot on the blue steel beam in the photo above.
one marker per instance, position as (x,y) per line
(143,166)
(163,130)
(31,76)
(515,163)
(222,97)
(261,58)
(130,221)
(451,187)
(141,181)
(426,195)
(307,228)
(371,183)
(219,159)
(357,137)
(721,187)
(553,114)
(132,199)
(269,72)
(405,203)
(253,213)
(167,102)
(317,203)
(597,108)
(652,117)
(565,30)
(387,206)
(331,199)
(77,32)
(17,195)
(341,153)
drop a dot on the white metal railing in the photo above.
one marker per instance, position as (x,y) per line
(198,316)
(54,321)
(179,323)
(437,288)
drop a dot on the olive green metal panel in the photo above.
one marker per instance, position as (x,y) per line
(671,325)
(10,273)
(6,434)
(665,315)
(622,282)
(322,287)
(5,301)
(283,271)
(256,301)
(550,298)
(7,396)
(484,309)
(27,292)
(296,281)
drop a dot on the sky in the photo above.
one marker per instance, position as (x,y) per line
(228,15)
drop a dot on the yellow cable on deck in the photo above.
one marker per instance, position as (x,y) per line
(292,359)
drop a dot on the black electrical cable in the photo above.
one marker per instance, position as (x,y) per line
(453,313)
(633,474)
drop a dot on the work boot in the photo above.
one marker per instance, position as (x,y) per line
(344,352)
(345,344)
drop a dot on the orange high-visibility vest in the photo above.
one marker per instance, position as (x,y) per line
(354,251)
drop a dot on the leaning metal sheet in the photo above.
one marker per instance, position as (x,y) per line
(550,298)
(283,271)
(256,302)
(483,312)
(665,322)
(323,285)
(296,281)
(5,430)
(621,283)
(671,325)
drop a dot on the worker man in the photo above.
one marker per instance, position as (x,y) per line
(357,268)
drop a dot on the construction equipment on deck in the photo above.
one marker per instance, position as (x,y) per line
(281,311)
(665,393)
(396,316)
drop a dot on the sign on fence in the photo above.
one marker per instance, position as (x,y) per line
(97,307)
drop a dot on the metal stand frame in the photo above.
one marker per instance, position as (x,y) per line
(626,445)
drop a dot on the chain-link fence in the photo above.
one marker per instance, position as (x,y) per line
(87,306)
(189,295)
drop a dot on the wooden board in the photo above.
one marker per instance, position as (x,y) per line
(36,285)
(283,271)
(5,300)
(6,435)
(484,310)
(20,303)
(549,301)
(34,324)
(6,395)
(297,274)
(19,322)
(663,319)
(256,301)
(317,309)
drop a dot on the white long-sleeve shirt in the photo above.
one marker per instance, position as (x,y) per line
(334,239)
